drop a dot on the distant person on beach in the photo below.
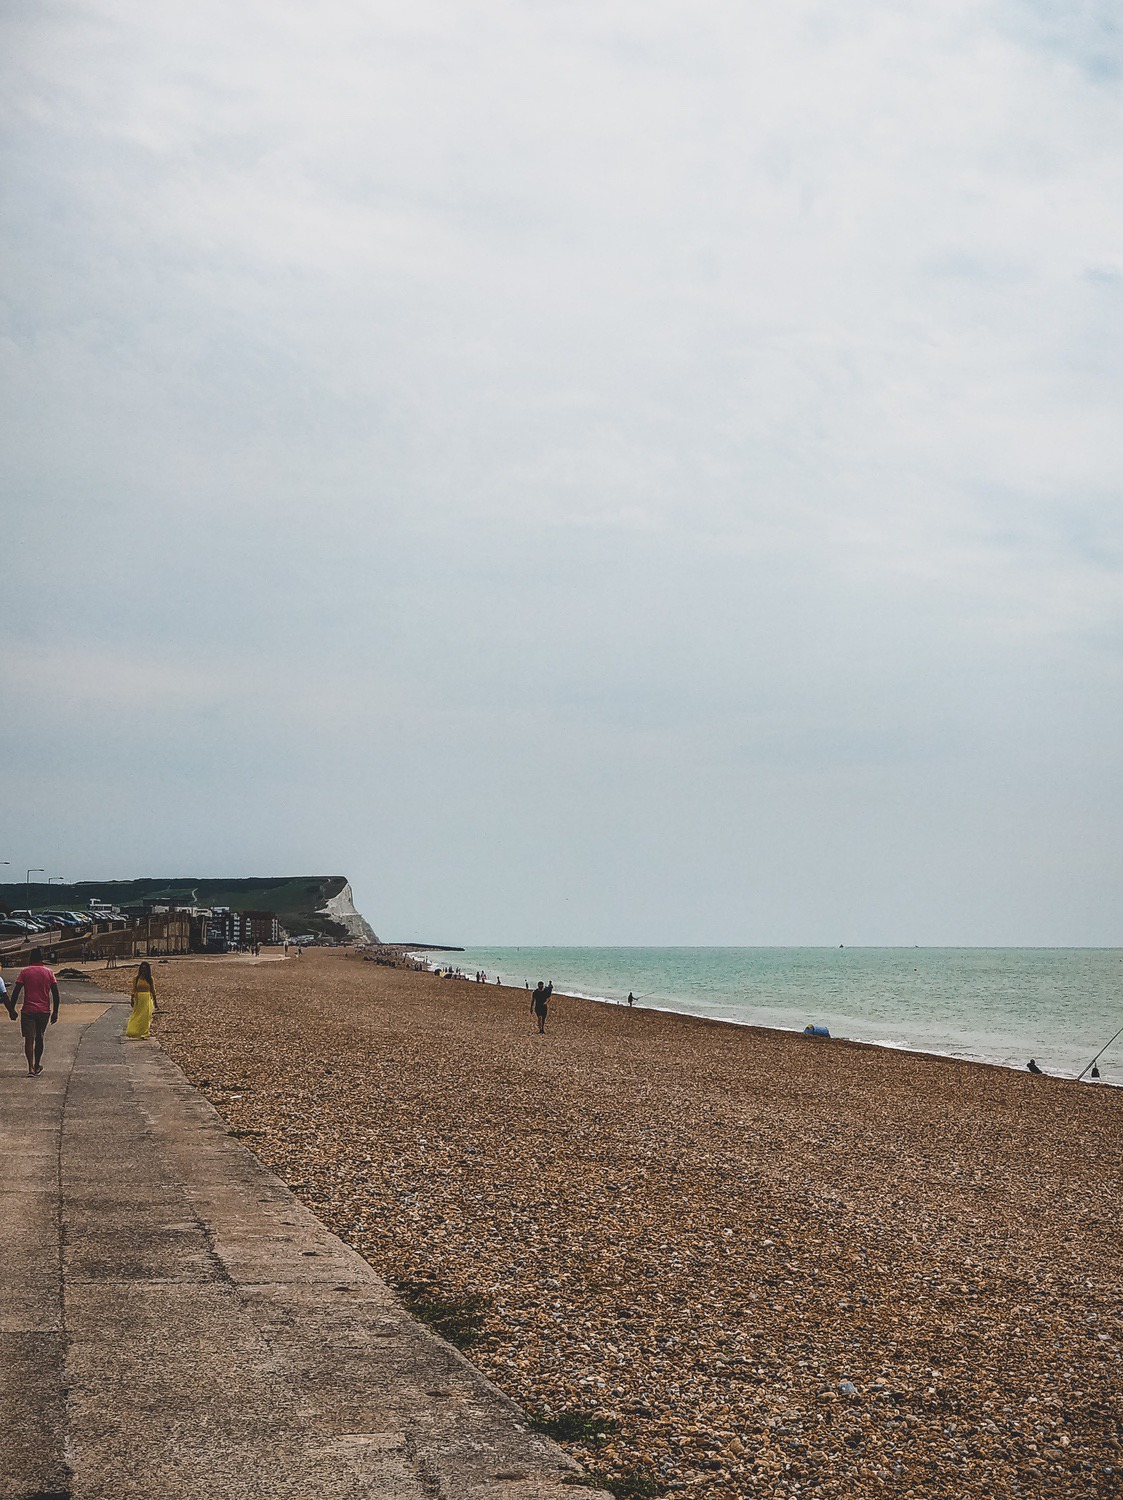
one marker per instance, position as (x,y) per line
(631,999)
(1031,1067)
(144,1003)
(39,988)
(540,1005)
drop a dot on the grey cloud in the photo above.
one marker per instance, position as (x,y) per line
(684,440)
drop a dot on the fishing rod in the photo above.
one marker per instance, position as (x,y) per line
(1100,1053)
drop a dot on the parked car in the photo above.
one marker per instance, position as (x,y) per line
(13,927)
(30,921)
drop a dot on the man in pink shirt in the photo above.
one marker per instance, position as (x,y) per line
(40,1004)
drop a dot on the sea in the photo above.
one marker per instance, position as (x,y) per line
(1059,1006)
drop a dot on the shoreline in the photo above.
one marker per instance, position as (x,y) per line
(270,955)
(851,1041)
(796,1030)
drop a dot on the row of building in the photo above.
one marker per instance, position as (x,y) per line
(214,929)
(218,929)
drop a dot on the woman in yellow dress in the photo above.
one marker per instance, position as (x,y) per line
(144,1002)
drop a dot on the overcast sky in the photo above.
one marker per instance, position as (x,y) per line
(602,472)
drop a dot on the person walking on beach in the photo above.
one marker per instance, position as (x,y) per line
(144,1003)
(540,1005)
(39,989)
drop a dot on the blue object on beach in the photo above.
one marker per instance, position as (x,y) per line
(815,1031)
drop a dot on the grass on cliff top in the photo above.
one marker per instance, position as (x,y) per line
(282,894)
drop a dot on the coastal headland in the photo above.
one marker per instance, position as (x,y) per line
(712,1260)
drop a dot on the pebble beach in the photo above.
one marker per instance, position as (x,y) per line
(712,1260)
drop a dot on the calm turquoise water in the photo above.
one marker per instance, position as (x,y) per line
(1004,1005)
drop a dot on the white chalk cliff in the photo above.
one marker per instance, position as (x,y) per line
(341,908)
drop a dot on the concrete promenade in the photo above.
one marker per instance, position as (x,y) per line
(173,1323)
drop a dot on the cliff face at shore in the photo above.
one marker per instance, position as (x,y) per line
(340,909)
(318,904)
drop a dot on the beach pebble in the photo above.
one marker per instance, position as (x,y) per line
(778,1213)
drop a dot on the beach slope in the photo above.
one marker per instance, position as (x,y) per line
(710,1258)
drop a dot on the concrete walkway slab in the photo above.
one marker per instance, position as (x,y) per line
(175,1325)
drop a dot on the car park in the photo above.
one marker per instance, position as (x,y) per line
(15,927)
